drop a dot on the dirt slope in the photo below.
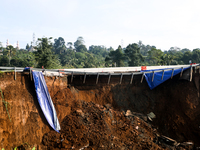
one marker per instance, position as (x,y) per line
(94,116)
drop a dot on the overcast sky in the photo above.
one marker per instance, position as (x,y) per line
(162,23)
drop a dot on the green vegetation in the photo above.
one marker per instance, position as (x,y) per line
(29,147)
(5,104)
(58,54)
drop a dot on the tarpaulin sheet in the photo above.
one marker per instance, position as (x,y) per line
(45,100)
(158,76)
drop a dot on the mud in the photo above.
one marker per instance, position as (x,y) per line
(94,116)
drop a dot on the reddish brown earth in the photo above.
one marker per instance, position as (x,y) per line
(94,116)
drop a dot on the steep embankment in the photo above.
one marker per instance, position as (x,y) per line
(94,114)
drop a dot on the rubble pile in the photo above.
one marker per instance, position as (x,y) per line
(91,126)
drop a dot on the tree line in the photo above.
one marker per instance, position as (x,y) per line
(58,54)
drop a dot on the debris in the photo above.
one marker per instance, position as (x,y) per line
(187,145)
(108,106)
(151,115)
(167,140)
(128,113)
(80,112)
(149,118)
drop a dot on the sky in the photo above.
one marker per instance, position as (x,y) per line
(162,23)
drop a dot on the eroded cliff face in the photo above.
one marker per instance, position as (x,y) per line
(175,103)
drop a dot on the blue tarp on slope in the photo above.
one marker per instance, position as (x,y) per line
(158,76)
(45,101)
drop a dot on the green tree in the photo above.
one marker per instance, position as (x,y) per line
(165,59)
(98,50)
(144,48)
(187,56)
(196,55)
(4,60)
(59,45)
(133,54)
(155,56)
(81,48)
(44,55)
(23,58)
(79,41)
(70,45)
(68,59)
(185,50)
(116,57)
(27,46)
(11,51)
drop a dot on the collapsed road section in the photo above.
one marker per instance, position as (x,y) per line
(102,116)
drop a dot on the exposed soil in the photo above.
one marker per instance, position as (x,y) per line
(95,116)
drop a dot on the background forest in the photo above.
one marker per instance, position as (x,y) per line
(58,54)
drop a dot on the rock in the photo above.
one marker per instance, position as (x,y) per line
(149,118)
(80,112)
(151,115)
(187,145)
(167,140)
(128,113)
(66,144)
(108,106)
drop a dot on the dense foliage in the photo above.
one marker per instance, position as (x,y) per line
(59,54)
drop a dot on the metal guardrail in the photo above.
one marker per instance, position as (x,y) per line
(72,72)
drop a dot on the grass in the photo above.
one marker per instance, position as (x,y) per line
(5,104)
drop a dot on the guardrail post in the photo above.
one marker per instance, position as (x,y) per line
(84,78)
(30,73)
(190,73)
(142,77)
(59,74)
(181,72)
(72,76)
(109,78)
(121,78)
(153,76)
(163,74)
(45,74)
(15,74)
(131,78)
(172,73)
(97,78)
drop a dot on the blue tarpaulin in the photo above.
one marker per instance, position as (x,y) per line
(45,100)
(157,80)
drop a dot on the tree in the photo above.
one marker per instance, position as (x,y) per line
(143,49)
(79,42)
(23,58)
(69,44)
(98,50)
(166,59)
(68,59)
(117,57)
(185,50)
(133,54)
(81,48)
(154,56)
(187,56)
(11,51)
(4,60)
(196,55)
(59,45)
(27,46)
(44,54)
